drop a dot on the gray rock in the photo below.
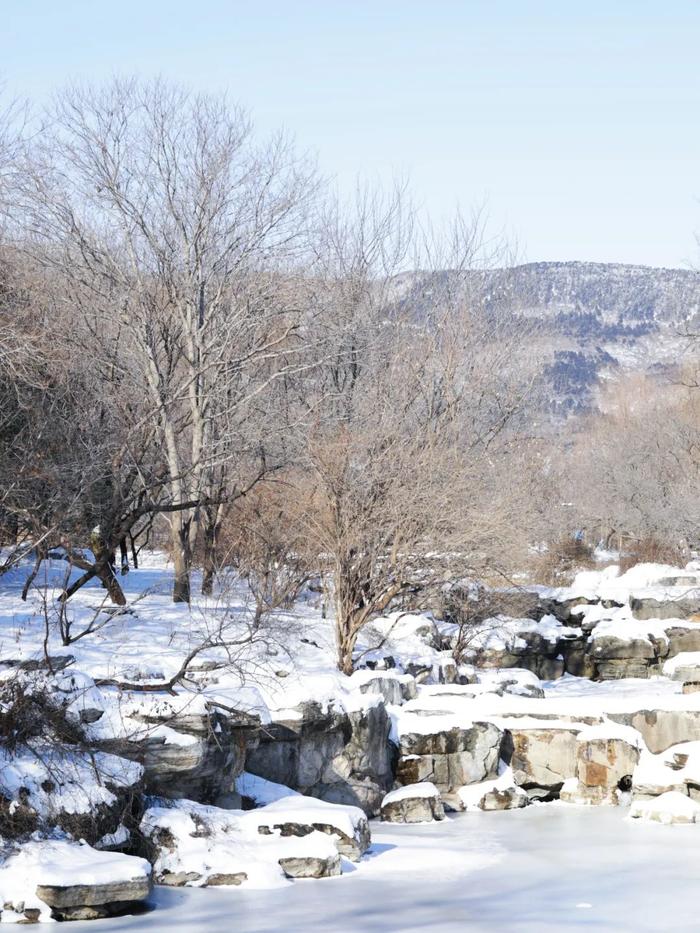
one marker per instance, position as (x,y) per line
(338,757)
(510,798)
(679,603)
(542,758)
(394,691)
(203,770)
(450,758)
(60,899)
(661,728)
(310,867)
(418,804)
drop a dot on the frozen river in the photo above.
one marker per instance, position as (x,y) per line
(549,867)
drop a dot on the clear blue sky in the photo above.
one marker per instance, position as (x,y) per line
(578,121)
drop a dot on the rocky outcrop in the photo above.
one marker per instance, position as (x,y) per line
(195,844)
(415,803)
(448,756)
(298,816)
(337,756)
(72,881)
(671,602)
(542,757)
(196,756)
(661,728)
(606,757)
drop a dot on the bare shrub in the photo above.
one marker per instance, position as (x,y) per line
(650,550)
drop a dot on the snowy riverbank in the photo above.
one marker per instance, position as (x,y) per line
(552,867)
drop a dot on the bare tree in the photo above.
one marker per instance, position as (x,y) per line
(411,436)
(169,228)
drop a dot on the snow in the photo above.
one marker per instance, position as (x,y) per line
(611,731)
(208,840)
(63,864)
(528,870)
(684,659)
(261,790)
(502,633)
(422,789)
(678,766)
(610,585)
(58,780)
(308,810)
(294,666)
(471,795)
(671,807)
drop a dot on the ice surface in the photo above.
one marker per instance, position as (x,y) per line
(546,868)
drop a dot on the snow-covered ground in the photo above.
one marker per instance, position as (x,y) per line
(551,867)
(546,866)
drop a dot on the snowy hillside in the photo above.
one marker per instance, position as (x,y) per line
(598,318)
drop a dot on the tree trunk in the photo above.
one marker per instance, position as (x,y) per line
(111,584)
(124,556)
(210,540)
(104,569)
(40,554)
(346,644)
(181,561)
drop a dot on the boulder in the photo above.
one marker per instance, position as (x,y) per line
(509,798)
(311,866)
(73,880)
(200,845)
(542,757)
(415,803)
(449,756)
(607,755)
(333,755)
(662,728)
(673,602)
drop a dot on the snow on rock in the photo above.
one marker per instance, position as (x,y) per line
(199,846)
(439,742)
(684,667)
(409,639)
(499,794)
(515,680)
(670,807)
(394,688)
(347,825)
(414,803)
(69,881)
(676,769)
(260,790)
